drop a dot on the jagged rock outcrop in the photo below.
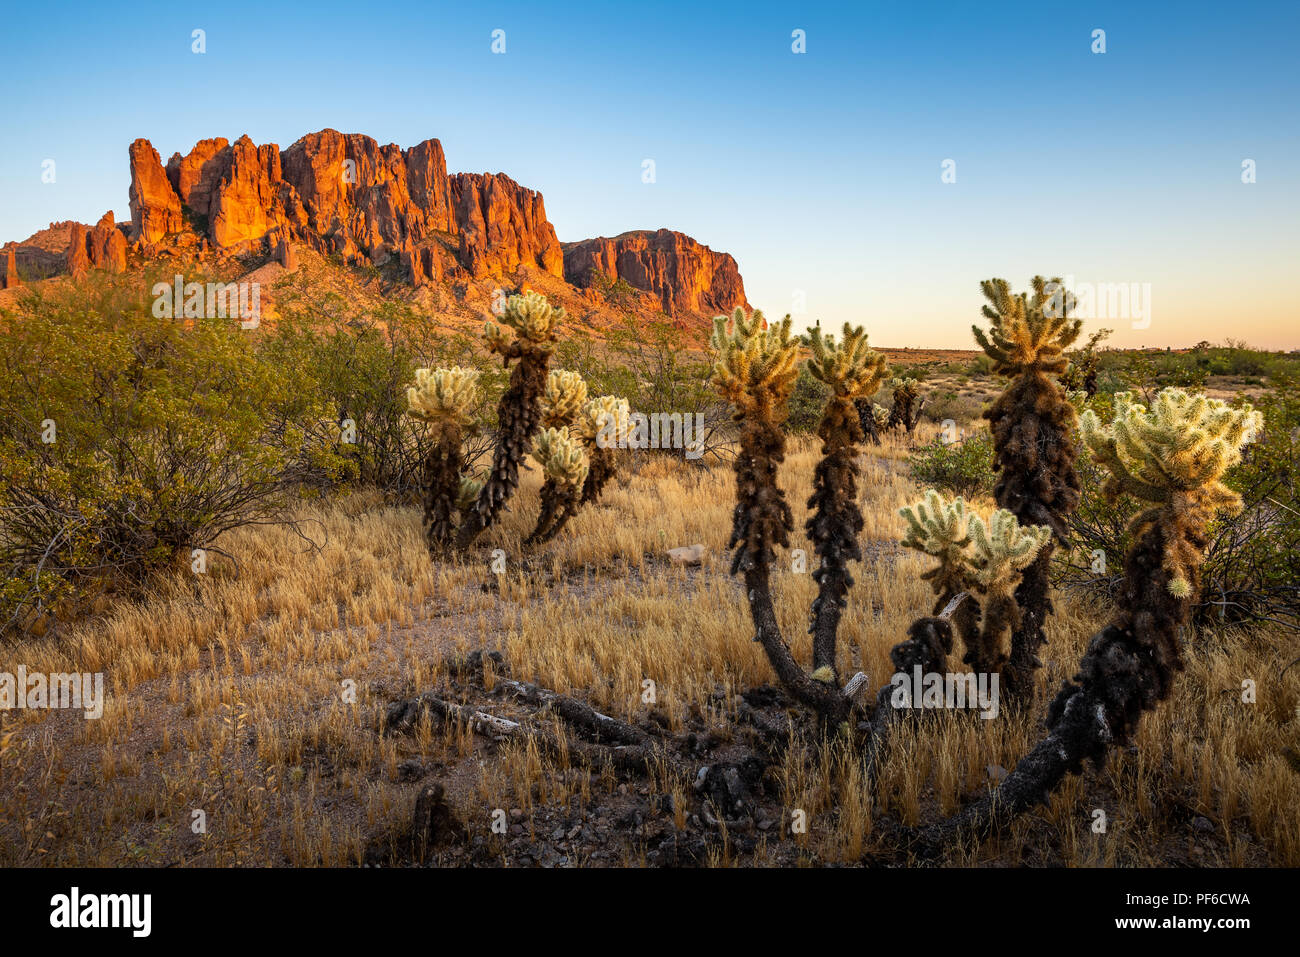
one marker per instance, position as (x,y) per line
(503,225)
(106,246)
(78,263)
(685,275)
(10,279)
(344,194)
(285,255)
(195,176)
(103,246)
(155,207)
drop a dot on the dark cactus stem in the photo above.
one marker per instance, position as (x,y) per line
(518,415)
(834,525)
(928,643)
(552,504)
(1128,668)
(762,521)
(867,419)
(1038,484)
(442,471)
(599,473)
(560,505)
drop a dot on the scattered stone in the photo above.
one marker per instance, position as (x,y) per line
(687,554)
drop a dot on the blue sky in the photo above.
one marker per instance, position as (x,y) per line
(820,172)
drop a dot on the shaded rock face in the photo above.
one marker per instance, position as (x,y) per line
(346,195)
(155,207)
(10,278)
(686,275)
(78,261)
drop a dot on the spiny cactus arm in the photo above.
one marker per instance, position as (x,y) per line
(1032,426)
(565,464)
(937,527)
(443,398)
(603,425)
(519,411)
(754,370)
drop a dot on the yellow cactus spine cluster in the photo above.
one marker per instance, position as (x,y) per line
(973,552)
(851,368)
(904,384)
(1002,549)
(1172,454)
(755,364)
(607,418)
(1024,334)
(532,319)
(937,527)
(561,458)
(565,395)
(445,396)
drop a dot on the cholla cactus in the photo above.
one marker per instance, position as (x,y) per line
(444,398)
(1002,549)
(1173,455)
(603,426)
(1031,423)
(467,492)
(938,528)
(852,370)
(905,412)
(755,369)
(604,421)
(519,412)
(565,395)
(1027,334)
(565,465)
(561,458)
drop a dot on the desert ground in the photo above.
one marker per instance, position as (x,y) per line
(256,693)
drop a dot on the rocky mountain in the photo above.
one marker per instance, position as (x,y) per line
(684,274)
(345,195)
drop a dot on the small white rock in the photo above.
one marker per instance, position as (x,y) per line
(687,554)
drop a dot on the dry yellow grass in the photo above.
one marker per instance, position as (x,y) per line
(228,693)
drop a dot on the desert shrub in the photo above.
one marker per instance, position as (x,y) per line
(126,441)
(806,403)
(618,292)
(963,466)
(950,404)
(359,371)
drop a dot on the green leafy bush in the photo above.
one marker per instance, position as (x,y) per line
(126,441)
(963,466)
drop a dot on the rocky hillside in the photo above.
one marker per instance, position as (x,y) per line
(349,199)
(347,195)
